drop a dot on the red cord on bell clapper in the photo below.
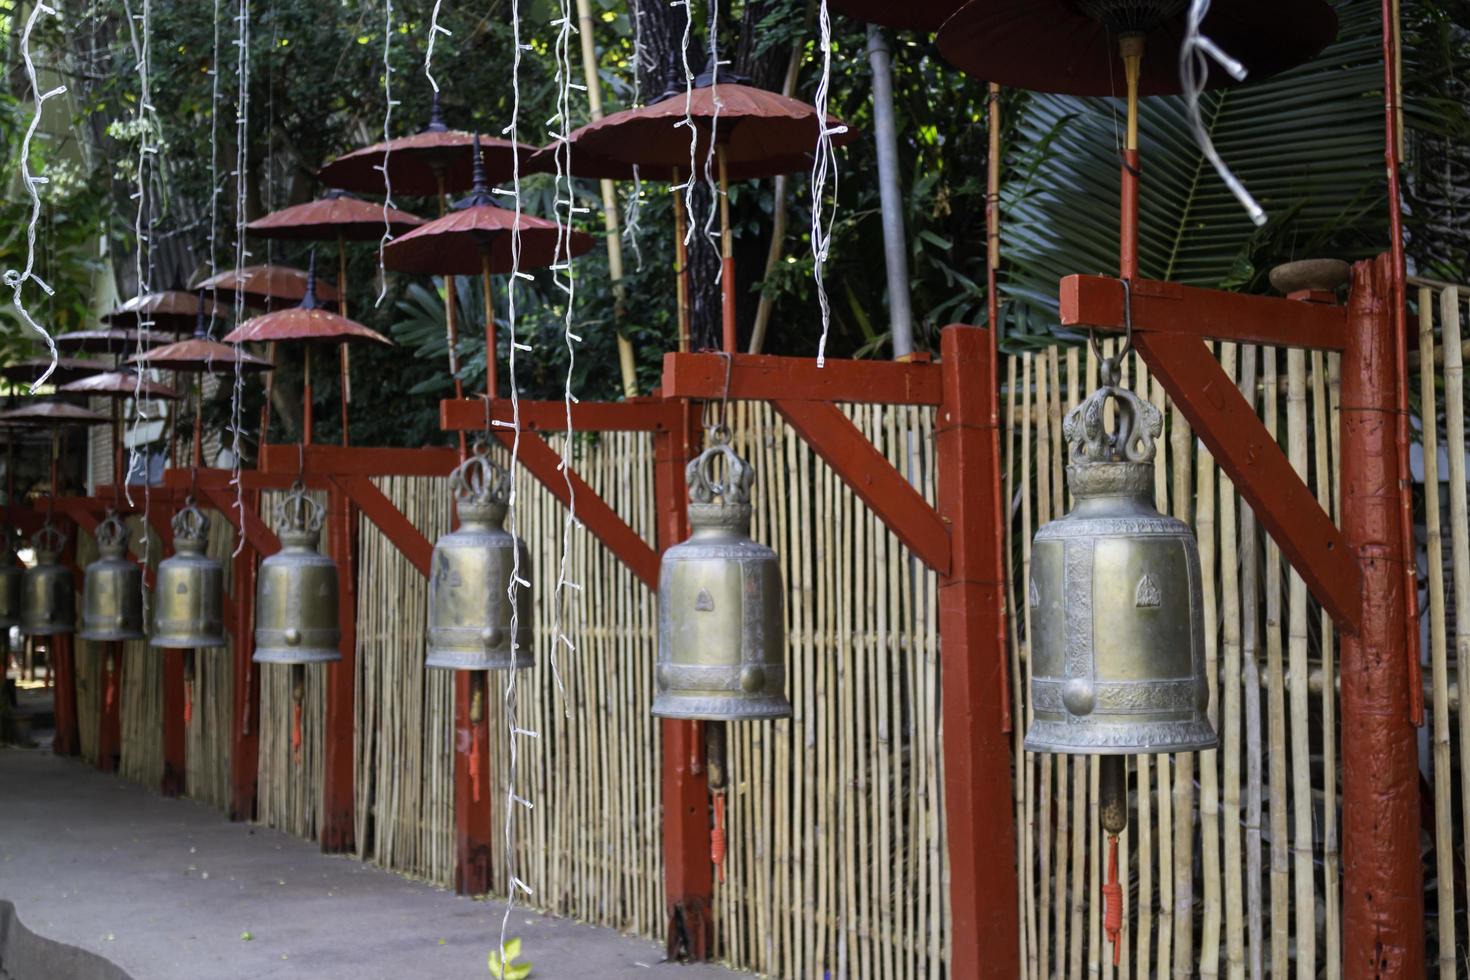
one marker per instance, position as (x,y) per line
(1113,900)
(475,760)
(717,836)
(296,731)
(110,692)
(188,704)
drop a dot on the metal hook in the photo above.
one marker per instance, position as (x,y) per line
(1127,328)
(725,395)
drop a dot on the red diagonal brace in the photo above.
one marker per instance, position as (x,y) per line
(872,477)
(542,462)
(767,377)
(365,494)
(1261,472)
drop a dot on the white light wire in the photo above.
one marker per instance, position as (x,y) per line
(17,279)
(1195,54)
(824,167)
(434,31)
(688,186)
(242,160)
(711,179)
(388,104)
(632,210)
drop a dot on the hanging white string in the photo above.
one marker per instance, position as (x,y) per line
(711,179)
(142,243)
(242,160)
(513,883)
(564,207)
(434,31)
(388,104)
(688,186)
(16,280)
(1195,55)
(632,210)
(824,167)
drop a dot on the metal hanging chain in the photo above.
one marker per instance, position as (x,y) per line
(1127,328)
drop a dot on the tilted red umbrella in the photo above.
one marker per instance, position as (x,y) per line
(50,414)
(1071,46)
(120,386)
(201,355)
(476,236)
(67,369)
(109,340)
(335,216)
(913,15)
(171,310)
(267,285)
(428,163)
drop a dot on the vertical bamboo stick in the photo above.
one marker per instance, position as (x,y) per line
(1301,761)
(1454,411)
(1209,804)
(1229,726)
(1250,614)
(1276,713)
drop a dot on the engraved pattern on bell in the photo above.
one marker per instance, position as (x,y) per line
(721,625)
(1117,628)
(48,593)
(11,578)
(296,600)
(187,603)
(469,602)
(112,593)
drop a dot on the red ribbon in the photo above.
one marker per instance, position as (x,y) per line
(1113,901)
(717,836)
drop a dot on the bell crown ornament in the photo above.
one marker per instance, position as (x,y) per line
(48,594)
(187,608)
(112,596)
(1117,613)
(721,620)
(296,605)
(473,624)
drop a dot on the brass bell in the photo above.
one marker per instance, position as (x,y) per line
(296,602)
(48,602)
(11,576)
(1117,614)
(721,628)
(469,603)
(186,599)
(112,594)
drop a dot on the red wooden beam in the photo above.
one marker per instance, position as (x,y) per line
(872,477)
(1209,314)
(543,462)
(333,461)
(339,814)
(409,540)
(245,693)
(632,415)
(765,377)
(977,753)
(1259,469)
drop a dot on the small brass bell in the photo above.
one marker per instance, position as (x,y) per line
(112,594)
(721,629)
(1118,627)
(296,602)
(186,601)
(48,602)
(11,576)
(469,603)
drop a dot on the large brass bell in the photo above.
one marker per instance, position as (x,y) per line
(721,629)
(11,577)
(48,602)
(469,602)
(1117,615)
(186,601)
(296,602)
(112,593)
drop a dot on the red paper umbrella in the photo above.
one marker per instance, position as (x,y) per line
(334,217)
(1071,46)
(67,369)
(172,310)
(914,15)
(268,285)
(202,355)
(119,385)
(108,341)
(427,163)
(43,414)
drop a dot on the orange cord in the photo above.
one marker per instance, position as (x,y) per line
(717,836)
(475,761)
(296,730)
(188,705)
(111,689)
(1113,901)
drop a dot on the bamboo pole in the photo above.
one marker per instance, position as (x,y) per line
(1230,718)
(1250,614)
(1301,761)
(1276,724)
(1209,798)
(1454,410)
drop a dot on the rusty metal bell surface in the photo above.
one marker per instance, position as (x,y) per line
(11,578)
(187,612)
(112,590)
(1116,610)
(721,627)
(296,601)
(48,601)
(469,605)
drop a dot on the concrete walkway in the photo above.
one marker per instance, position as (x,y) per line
(166,888)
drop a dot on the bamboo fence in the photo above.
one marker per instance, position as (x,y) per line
(836,864)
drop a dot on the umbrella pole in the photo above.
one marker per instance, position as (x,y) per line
(270,387)
(681,265)
(346,362)
(492,373)
(117,471)
(306,400)
(451,328)
(727,257)
(1131,47)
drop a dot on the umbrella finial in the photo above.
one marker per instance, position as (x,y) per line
(436,117)
(480,193)
(309,301)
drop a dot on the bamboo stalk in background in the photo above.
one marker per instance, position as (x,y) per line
(1276,723)
(1209,794)
(1454,411)
(1327,485)
(1230,717)
(1301,759)
(1181,444)
(1439,668)
(1250,614)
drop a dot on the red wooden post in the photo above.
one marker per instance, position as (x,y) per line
(245,696)
(174,751)
(1383,896)
(472,827)
(688,873)
(977,754)
(62,663)
(339,815)
(109,710)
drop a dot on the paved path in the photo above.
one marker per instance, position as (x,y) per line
(165,888)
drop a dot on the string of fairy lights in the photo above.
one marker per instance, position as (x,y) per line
(824,168)
(242,160)
(388,103)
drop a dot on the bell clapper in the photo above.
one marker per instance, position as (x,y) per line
(478,681)
(188,687)
(715,760)
(298,694)
(1113,805)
